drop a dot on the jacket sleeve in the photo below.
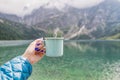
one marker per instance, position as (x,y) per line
(18,68)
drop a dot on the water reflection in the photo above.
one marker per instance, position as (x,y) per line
(82,60)
(103,58)
(80,46)
(107,50)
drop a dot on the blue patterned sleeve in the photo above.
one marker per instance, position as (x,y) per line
(18,68)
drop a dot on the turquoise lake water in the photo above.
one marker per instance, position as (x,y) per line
(82,60)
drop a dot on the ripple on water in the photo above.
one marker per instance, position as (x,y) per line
(111,71)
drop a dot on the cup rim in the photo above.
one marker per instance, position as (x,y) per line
(54,38)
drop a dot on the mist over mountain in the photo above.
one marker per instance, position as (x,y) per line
(100,21)
(25,7)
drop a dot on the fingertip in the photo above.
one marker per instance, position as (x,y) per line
(40,38)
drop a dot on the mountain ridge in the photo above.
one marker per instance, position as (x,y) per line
(101,20)
(15,31)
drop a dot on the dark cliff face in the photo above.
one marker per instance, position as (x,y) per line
(98,21)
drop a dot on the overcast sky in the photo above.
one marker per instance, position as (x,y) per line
(22,7)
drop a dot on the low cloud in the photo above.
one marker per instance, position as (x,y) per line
(23,7)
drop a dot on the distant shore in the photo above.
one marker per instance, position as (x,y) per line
(14,42)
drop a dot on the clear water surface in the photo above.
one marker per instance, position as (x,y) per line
(82,60)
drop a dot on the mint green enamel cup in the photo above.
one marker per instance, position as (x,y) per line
(54,46)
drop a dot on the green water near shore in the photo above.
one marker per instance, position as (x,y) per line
(82,60)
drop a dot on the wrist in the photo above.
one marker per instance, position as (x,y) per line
(28,59)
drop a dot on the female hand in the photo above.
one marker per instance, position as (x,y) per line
(35,51)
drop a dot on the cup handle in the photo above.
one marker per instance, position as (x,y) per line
(44,40)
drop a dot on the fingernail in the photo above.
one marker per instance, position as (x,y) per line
(37,49)
(41,51)
(38,44)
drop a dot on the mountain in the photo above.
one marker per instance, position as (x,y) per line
(117,36)
(102,20)
(12,30)
(10,17)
